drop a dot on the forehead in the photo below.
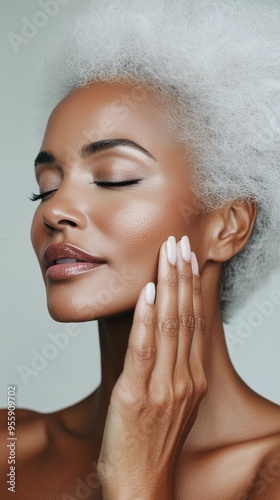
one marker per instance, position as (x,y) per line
(102,110)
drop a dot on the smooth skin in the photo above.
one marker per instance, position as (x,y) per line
(171,418)
(161,386)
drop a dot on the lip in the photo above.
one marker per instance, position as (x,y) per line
(85,261)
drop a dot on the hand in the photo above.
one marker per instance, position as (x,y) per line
(156,398)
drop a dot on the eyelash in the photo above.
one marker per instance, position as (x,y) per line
(41,196)
(121,183)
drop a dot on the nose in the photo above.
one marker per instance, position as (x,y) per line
(60,214)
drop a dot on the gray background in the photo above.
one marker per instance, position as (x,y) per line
(55,365)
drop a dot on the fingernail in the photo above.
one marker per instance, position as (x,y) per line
(194,264)
(171,250)
(150,293)
(185,248)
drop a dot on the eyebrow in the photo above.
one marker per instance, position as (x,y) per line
(94,147)
(103,145)
(44,157)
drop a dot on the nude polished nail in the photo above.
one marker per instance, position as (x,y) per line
(171,250)
(194,263)
(150,293)
(185,248)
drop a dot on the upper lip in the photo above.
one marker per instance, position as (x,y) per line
(66,250)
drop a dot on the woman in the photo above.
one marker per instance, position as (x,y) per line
(159,165)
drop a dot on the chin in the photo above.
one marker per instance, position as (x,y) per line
(68,313)
(63,317)
(77,311)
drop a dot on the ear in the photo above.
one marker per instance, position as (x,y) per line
(229,229)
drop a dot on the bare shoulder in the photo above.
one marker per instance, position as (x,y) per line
(266,485)
(243,465)
(28,431)
(22,415)
(262,455)
(48,458)
(38,432)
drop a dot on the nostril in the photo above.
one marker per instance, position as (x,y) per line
(48,226)
(65,222)
(60,217)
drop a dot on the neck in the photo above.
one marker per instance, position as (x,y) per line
(113,337)
(114,333)
(224,385)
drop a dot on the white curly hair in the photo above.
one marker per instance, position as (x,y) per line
(219,61)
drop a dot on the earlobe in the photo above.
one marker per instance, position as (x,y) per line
(231,229)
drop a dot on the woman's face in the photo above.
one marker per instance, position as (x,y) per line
(123,225)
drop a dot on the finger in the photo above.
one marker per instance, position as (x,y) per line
(199,339)
(141,350)
(185,304)
(167,312)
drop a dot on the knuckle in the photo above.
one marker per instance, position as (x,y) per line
(183,390)
(143,353)
(187,320)
(170,281)
(203,388)
(147,320)
(200,321)
(197,289)
(163,396)
(201,393)
(170,397)
(189,388)
(185,277)
(202,384)
(122,394)
(169,326)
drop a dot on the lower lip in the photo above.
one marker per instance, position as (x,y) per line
(69,269)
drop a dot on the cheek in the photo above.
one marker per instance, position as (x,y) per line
(134,219)
(150,220)
(136,230)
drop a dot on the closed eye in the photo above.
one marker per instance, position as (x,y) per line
(121,183)
(41,196)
